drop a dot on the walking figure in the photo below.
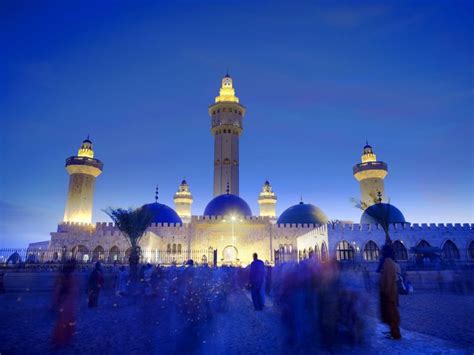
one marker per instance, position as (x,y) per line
(389,292)
(256,279)
(96,281)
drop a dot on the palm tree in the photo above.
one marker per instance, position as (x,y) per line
(133,224)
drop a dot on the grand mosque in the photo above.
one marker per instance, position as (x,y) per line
(229,232)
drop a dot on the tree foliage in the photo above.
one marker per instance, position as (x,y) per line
(133,223)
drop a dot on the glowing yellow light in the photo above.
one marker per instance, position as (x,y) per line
(227,92)
(368,157)
(232,218)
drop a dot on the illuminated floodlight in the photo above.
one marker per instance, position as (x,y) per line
(232,218)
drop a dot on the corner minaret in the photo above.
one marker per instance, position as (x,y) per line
(83,169)
(227,115)
(371,174)
(267,201)
(183,201)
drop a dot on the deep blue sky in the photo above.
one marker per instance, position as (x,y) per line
(317,80)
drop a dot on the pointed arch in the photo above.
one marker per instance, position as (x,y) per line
(450,251)
(371,251)
(470,250)
(400,250)
(324,252)
(317,254)
(344,251)
(80,253)
(423,244)
(98,253)
(114,253)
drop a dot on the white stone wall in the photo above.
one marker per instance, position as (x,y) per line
(260,235)
(409,234)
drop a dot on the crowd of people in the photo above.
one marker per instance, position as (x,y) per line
(318,309)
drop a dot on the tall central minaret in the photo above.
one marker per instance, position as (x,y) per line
(227,115)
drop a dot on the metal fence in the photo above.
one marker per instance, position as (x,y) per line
(57,255)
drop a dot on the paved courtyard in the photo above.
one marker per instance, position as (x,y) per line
(431,323)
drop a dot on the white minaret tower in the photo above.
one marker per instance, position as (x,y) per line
(83,169)
(227,116)
(183,201)
(267,201)
(371,174)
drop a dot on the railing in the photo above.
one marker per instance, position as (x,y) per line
(13,256)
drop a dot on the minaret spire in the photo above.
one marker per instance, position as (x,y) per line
(370,173)
(226,125)
(267,200)
(83,170)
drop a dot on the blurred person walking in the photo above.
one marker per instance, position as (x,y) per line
(122,282)
(389,292)
(96,281)
(65,304)
(256,280)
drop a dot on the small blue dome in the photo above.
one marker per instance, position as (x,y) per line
(303,213)
(162,213)
(227,204)
(379,212)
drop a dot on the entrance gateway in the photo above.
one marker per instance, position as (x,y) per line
(229,255)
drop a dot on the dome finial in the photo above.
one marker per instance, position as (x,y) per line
(156,194)
(228,188)
(301,200)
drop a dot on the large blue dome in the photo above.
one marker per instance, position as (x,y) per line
(227,204)
(303,213)
(162,213)
(380,212)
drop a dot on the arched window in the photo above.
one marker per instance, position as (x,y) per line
(204,259)
(324,252)
(174,248)
(305,255)
(310,253)
(470,250)
(179,248)
(400,250)
(114,253)
(344,251)
(80,253)
(316,252)
(290,248)
(450,251)
(168,248)
(98,253)
(371,251)
(286,248)
(423,244)
(128,252)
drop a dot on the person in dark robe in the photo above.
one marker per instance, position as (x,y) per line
(256,280)
(389,292)
(65,304)
(96,281)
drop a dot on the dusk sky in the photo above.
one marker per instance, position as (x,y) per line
(317,79)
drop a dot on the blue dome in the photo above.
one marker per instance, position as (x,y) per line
(227,204)
(303,213)
(162,213)
(379,212)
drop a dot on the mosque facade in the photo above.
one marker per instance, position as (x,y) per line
(228,232)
